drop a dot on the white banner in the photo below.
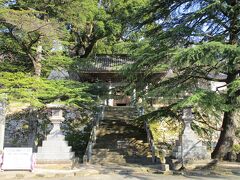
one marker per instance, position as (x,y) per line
(18,159)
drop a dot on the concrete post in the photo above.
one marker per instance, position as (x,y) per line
(134,96)
(191,146)
(110,101)
(2,124)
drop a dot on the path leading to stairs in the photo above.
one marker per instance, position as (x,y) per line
(97,172)
(119,140)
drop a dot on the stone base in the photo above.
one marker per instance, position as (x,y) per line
(194,153)
(54,151)
(67,165)
(40,162)
(164,167)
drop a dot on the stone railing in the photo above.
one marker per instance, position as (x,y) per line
(3,100)
(93,135)
(155,151)
(151,142)
(153,148)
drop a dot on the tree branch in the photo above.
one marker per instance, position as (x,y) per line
(204,121)
(208,78)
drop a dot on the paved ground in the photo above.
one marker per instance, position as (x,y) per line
(111,172)
(120,176)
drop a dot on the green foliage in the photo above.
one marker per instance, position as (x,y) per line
(13,66)
(56,61)
(77,132)
(165,130)
(36,91)
(207,54)
(207,100)
(187,39)
(184,48)
(236,148)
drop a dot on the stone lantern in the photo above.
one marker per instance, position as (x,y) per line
(55,148)
(56,119)
(189,146)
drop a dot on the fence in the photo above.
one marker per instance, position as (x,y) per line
(93,135)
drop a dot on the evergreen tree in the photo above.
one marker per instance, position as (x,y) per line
(24,32)
(88,21)
(199,41)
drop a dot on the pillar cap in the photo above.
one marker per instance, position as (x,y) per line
(55,106)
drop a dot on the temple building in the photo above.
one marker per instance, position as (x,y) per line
(107,69)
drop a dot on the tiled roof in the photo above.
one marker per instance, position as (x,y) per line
(105,63)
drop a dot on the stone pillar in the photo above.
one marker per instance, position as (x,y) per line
(55,148)
(2,124)
(189,146)
(110,101)
(134,97)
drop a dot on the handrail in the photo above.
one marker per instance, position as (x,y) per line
(93,135)
(153,148)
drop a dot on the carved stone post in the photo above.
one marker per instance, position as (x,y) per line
(2,123)
(190,146)
(55,148)
(134,96)
(110,100)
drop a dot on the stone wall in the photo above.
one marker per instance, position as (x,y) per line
(29,128)
(26,128)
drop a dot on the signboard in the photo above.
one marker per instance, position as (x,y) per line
(18,159)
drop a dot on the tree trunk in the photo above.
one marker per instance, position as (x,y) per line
(88,49)
(227,136)
(37,62)
(225,142)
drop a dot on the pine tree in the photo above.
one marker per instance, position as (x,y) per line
(22,31)
(199,41)
(87,21)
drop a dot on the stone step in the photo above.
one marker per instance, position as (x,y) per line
(145,161)
(120,133)
(111,108)
(119,111)
(54,156)
(109,122)
(121,114)
(100,150)
(108,160)
(58,137)
(55,144)
(116,127)
(54,165)
(54,150)
(106,154)
(124,119)
(116,139)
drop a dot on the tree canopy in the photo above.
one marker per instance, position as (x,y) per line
(196,42)
(188,43)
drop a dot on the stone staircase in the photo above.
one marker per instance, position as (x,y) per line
(119,141)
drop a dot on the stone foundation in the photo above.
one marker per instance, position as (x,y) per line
(55,148)
(189,146)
